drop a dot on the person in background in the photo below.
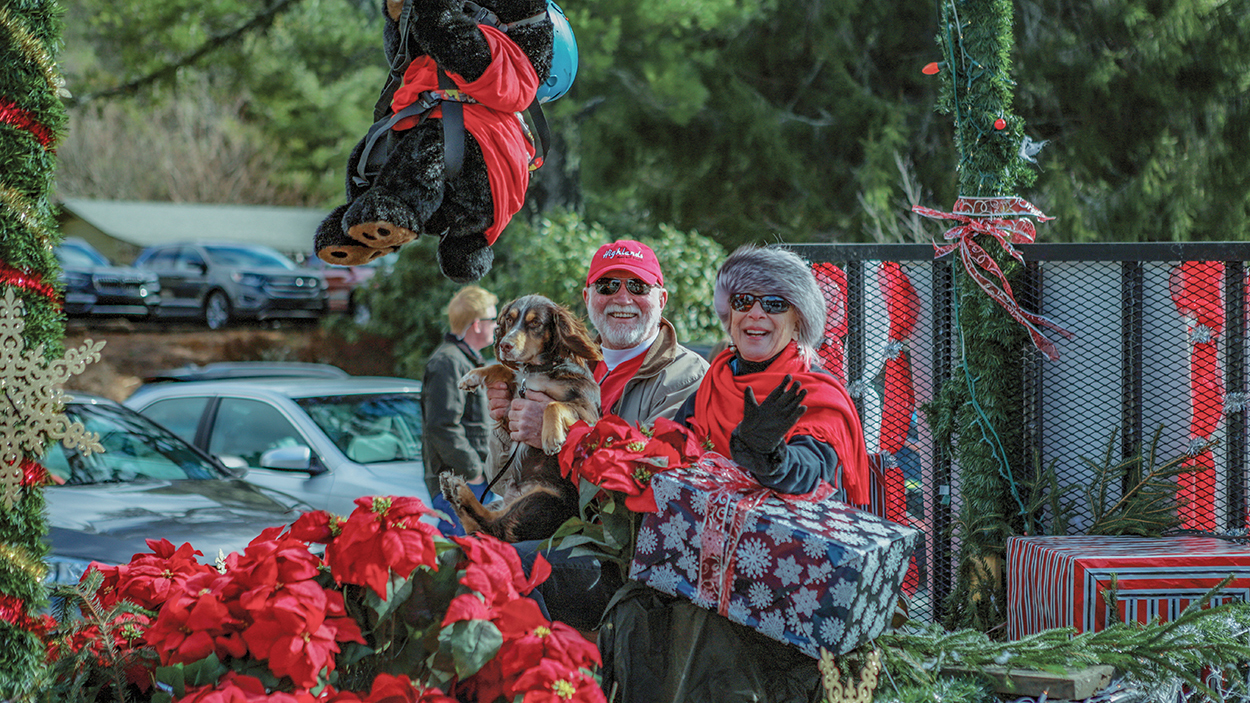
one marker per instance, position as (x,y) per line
(644,374)
(805,430)
(455,432)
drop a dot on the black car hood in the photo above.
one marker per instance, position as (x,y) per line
(111,522)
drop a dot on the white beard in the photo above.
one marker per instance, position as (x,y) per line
(622,334)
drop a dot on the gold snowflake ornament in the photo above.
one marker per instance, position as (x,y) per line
(33,401)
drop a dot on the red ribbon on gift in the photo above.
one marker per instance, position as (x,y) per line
(999,218)
(735,495)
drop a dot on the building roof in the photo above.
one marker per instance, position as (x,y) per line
(142,224)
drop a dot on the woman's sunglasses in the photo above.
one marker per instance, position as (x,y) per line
(771,304)
(609,286)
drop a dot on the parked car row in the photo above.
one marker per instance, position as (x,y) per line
(214,462)
(213,282)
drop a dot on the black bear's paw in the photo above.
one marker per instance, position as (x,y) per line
(465,259)
(381,221)
(333,246)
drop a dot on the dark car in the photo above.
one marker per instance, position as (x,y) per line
(96,287)
(221,282)
(219,370)
(146,484)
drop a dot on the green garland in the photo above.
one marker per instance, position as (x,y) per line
(31,119)
(979,407)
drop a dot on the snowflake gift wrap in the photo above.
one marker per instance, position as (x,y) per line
(810,571)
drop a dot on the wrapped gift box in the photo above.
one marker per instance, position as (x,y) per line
(1059,581)
(812,573)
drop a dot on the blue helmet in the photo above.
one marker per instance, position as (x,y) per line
(563,57)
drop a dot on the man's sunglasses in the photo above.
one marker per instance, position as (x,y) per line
(771,304)
(609,286)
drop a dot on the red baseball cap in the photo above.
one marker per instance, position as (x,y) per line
(626,255)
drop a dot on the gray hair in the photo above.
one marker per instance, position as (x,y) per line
(775,271)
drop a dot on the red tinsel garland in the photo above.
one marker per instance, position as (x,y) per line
(13,611)
(27,281)
(13,115)
(34,474)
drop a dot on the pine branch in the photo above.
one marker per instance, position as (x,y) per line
(258,23)
(1200,638)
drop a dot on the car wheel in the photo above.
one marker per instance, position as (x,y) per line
(217,310)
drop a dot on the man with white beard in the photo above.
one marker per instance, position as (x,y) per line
(644,374)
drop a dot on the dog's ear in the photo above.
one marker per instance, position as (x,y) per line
(572,335)
(500,331)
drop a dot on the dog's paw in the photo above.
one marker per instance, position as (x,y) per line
(450,485)
(553,439)
(471,381)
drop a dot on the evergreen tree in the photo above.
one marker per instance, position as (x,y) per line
(31,120)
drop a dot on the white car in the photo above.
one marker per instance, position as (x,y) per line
(323,441)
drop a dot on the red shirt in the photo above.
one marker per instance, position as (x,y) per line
(612,383)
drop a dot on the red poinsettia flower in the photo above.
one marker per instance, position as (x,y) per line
(525,649)
(383,534)
(400,689)
(296,633)
(149,579)
(466,606)
(240,688)
(196,622)
(493,568)
(317,526)
(553,682)
(680,438)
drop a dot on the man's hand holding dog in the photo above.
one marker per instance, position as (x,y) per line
(524,415)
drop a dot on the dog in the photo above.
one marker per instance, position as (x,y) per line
(540,346)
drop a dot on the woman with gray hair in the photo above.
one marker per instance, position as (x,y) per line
(658,648)
(806,429)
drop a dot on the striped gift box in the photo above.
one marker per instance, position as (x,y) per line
(1059,581)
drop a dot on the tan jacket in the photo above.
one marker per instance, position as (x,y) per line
(669,373)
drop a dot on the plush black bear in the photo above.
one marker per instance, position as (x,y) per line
(411,193)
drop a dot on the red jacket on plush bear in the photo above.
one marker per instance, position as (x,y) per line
(507,88)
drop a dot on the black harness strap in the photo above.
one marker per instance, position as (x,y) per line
(453,130)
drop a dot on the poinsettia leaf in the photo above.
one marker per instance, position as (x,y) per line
(586,492)
(198,673)
(397,592)
(657,461)
(471,644)
(618,531)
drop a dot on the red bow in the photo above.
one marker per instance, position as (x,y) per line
(997,217)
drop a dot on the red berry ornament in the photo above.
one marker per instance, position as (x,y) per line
(1000,124)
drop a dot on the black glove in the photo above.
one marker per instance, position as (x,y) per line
(764,425)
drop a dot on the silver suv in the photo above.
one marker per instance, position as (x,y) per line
(323,441)
(221,281)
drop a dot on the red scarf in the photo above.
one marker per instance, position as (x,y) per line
(830,416)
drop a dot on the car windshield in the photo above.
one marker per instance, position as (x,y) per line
(370,428)
(135,448)
(78,257)
(248,257)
